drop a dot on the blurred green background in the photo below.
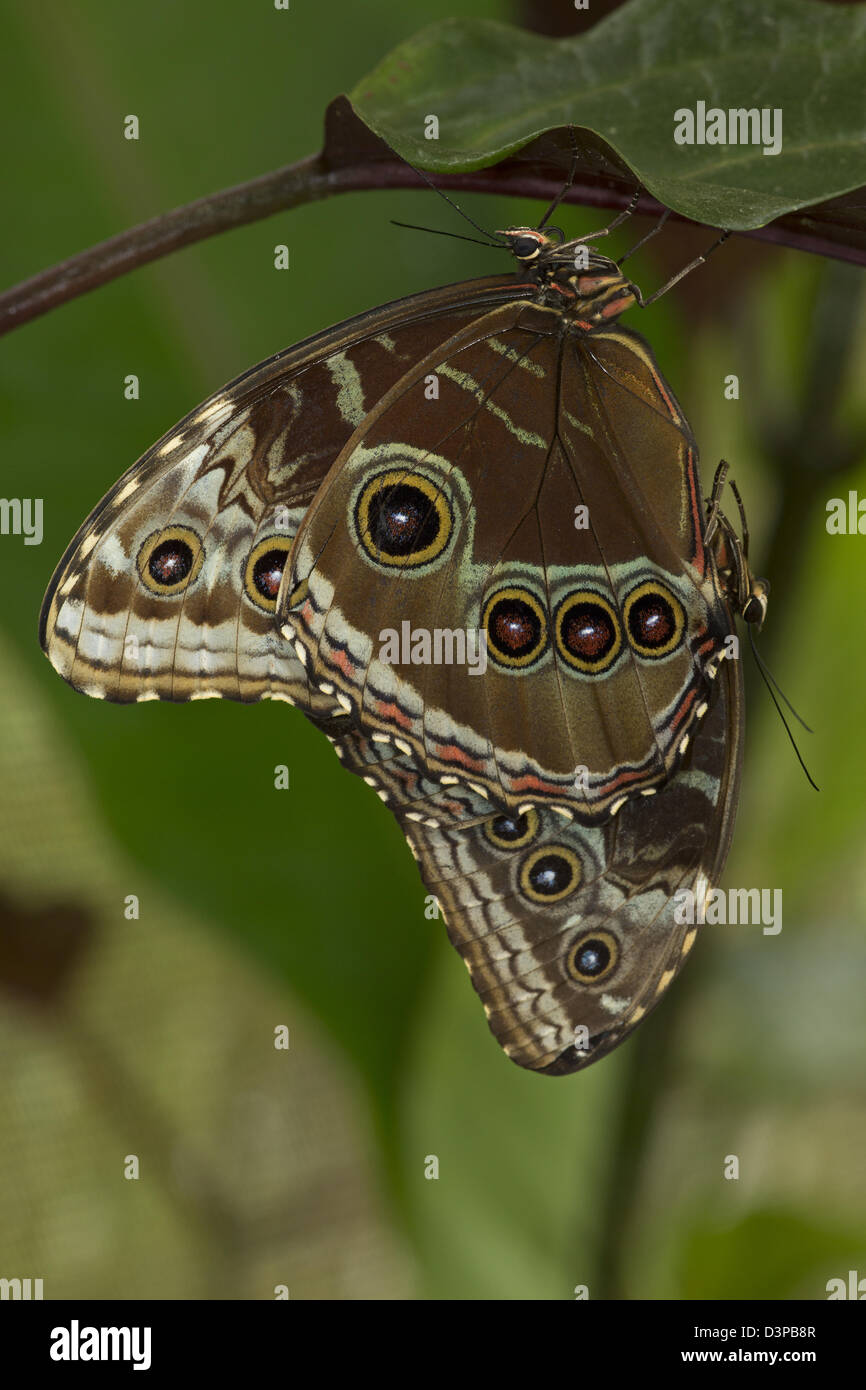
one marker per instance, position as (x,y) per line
(260,908)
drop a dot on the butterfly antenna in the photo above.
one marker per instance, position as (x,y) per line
(491,240)
(768,675)
(769,682)
(437,231)
(686,270)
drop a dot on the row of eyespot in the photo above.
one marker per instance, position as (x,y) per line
(588,631)
(170,560)
(404,520)
(547,875)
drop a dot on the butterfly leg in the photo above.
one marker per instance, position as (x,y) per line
(653,231)
(744,525)
(751,596)
(686,270)
(617,221)
(575,154)
(713,510)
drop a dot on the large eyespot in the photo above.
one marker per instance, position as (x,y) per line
(516,627)
(403,519)
(588,633)
(263,571)
(169,560)
(655,620)
(550,873)
(512,832)
(593,957)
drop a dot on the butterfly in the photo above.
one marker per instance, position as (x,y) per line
(498,461)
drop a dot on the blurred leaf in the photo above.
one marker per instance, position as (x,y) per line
(313,881)
(41,948)
(156,1035)
(771,1253)
(523,1159)
(493,88)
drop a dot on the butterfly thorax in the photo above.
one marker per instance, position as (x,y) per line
(589,289)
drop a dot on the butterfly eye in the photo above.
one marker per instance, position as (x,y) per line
(403,519)
(549,874)
(525,248)
(512,832)
(516,627)
(588,633)
(593,957)
(654,619)
(263,571)
(169,560)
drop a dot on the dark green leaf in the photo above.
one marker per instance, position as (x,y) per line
(493,88)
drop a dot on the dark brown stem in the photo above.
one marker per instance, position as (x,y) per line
(232,207)
(353,159)
(290,187)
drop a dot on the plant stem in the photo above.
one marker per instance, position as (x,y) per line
(353,159)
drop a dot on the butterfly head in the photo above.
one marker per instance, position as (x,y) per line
(755,608)
(589,286)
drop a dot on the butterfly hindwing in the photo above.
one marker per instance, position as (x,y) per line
(571,933)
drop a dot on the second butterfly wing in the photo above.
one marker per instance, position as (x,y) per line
(168,590)
(571,933)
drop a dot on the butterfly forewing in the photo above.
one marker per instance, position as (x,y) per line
(169,588)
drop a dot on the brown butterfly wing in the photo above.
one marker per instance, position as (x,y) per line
(570,933)
(168,590)
(455,512)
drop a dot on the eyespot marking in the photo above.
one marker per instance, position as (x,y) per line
(512,832)
(655,620)
(170,560)
(550,873)
(516,627)
(263,571)
(593,957)
(588,632)
(403,520)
